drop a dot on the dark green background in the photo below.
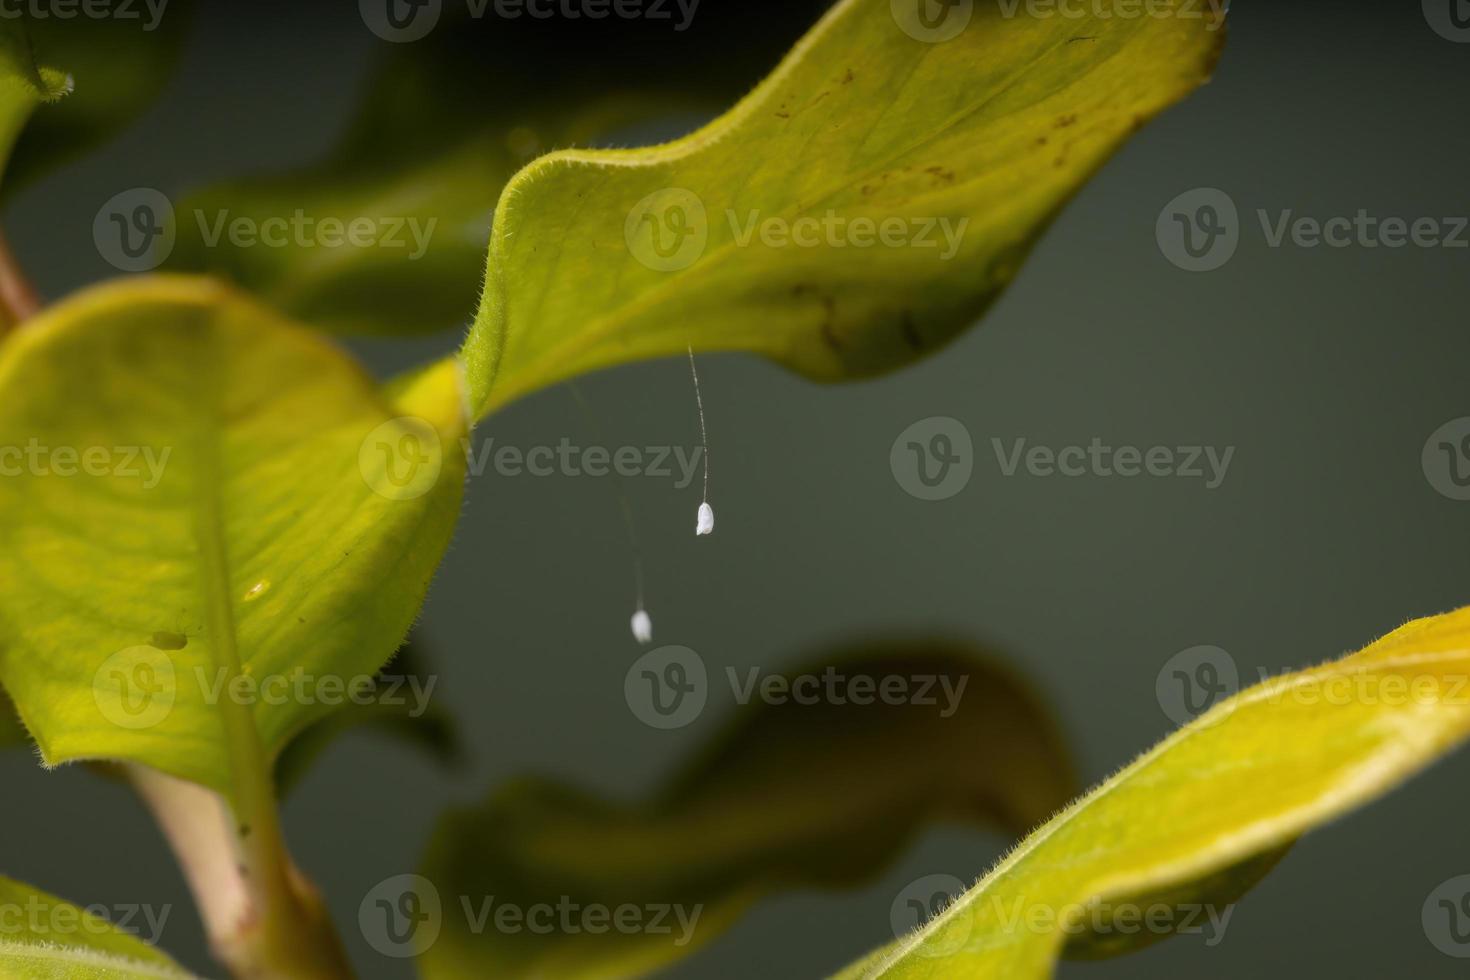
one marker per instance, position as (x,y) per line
(1326,369)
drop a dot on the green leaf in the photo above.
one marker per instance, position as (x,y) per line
(791,795)
(400,704)
(1204,814)
(445,122)
(115,66)
(965,148)
(48,938)
(214,526)
(24,84)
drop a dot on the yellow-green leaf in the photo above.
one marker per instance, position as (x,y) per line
(805,789)
(48,938)
(863,205)
(213,525)
(1198,818)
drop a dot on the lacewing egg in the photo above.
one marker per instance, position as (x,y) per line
(706,524)
(642,627)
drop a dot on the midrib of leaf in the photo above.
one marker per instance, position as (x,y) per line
(1384,768)
(252,793)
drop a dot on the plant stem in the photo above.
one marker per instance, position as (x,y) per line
(263,918)
(19,300)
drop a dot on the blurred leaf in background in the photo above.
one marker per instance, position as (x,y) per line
(793,794)
(116,66)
